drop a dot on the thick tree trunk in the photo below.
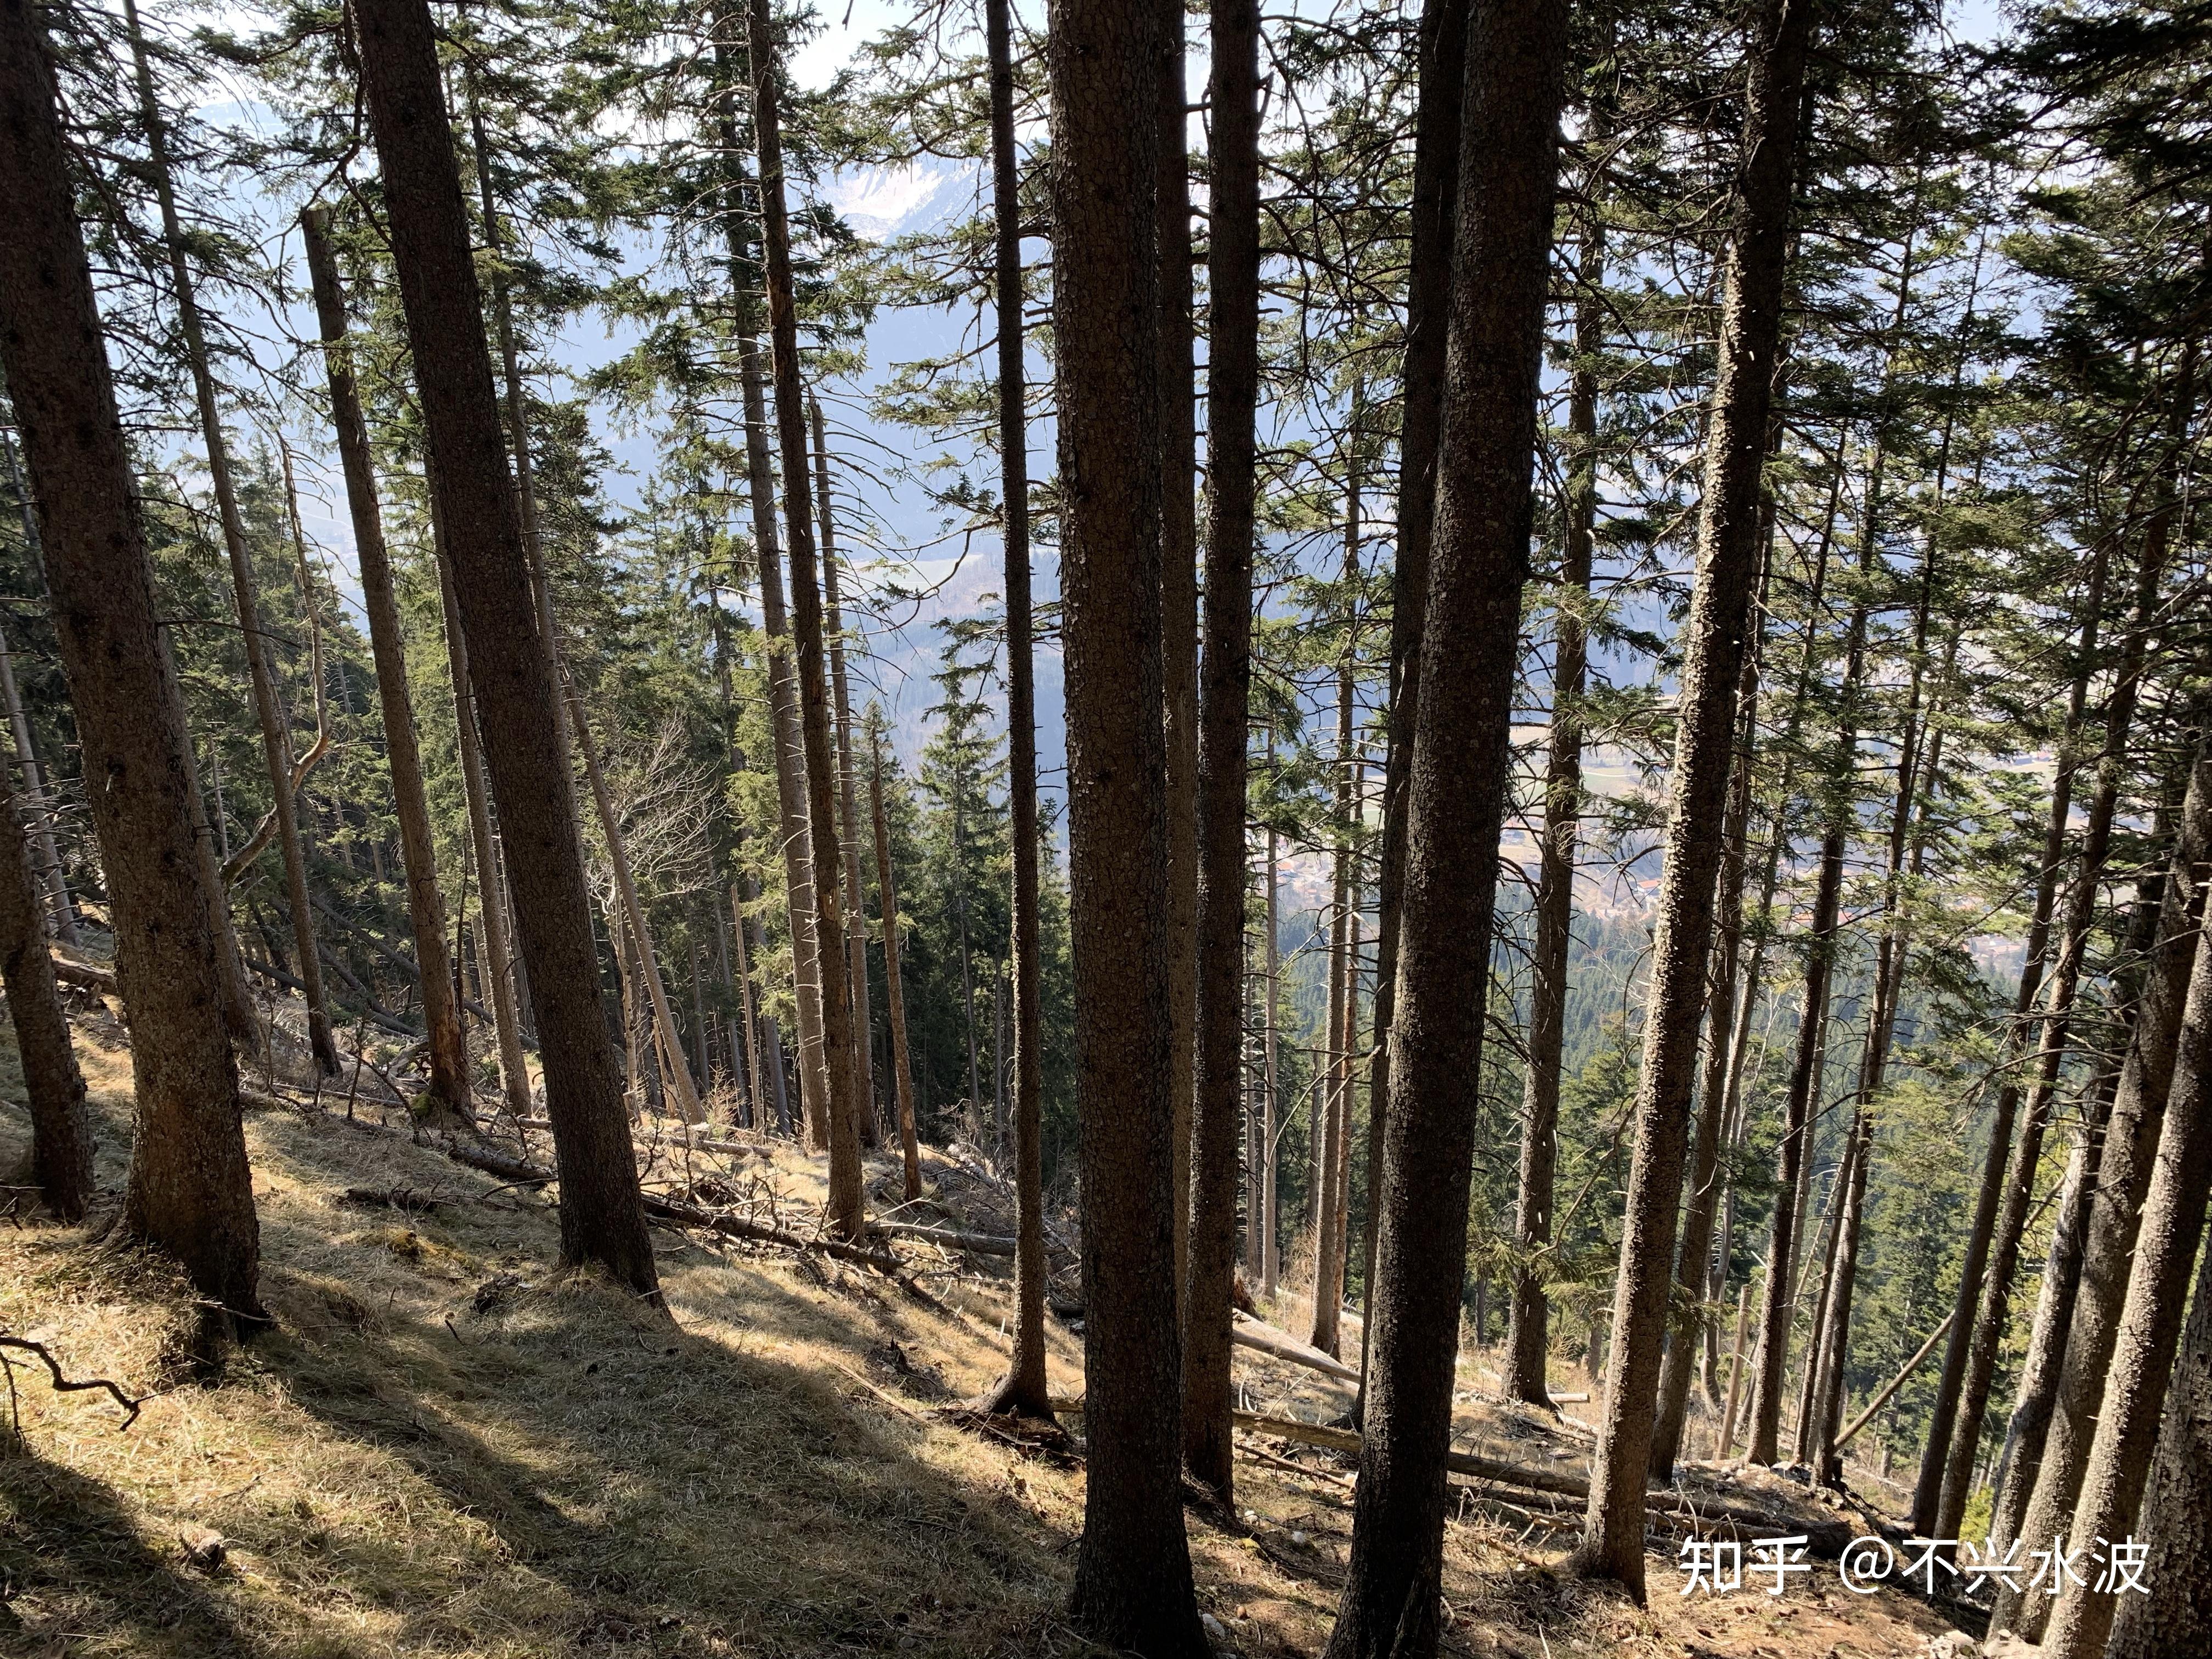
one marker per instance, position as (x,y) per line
(1528,1315)
(426,910)
(2126,1170)
(2171,1228)
(856,912)
(1717,633)
(191,1193)
(275,742)
(1133,1578)
(602,1219)
(1515,67)
(846,1199)
(1178,596)
(1233,390)
(887,888)
(61,1139)
(1023,1392)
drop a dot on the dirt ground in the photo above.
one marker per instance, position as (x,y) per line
(446,1447)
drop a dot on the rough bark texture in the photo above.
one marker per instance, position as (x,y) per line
(602,1220)
(1132,1579)
(1024,1390)
(2125,1169)
(1716,633)
(189,1192)
(61,1139)
(2176,1616)
(2172,1227)
(847,1200)
(1421,379)
(426,910)
(1177,422)
(1233,386)
(1461,761)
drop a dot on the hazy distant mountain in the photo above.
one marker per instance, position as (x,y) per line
(883,204)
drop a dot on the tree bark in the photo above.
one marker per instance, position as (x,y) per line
(846,1199)
(1329,1232)
(1233,390)
(1515,68)
(275,742)
(1179,598)
(2172,1227)
(2126,1170)
(856,912)
(441,1019)
(1729,546)
(191,1193)
(887,888)
(49,872)
(1023,1392)
(1132,1579)
(61,1139)
(1528,1320)
(1443,49)
(602,1219)
(1270,1221)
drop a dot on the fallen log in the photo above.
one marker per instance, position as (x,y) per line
(1825,1538)
(1894,1383)
(980,1244)
(83,974)
(1263,1337)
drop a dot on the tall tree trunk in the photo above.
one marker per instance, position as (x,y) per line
(1993,1320)
(1529,1315)
(2125,1171)
(37,802)
(191,1193)
(887,889)
(1729,546)
(602,1219)
(856,912)
(1336,1135)
(1971,1349)
(1270,1165)
(441,1019)
(792,829)
(275,742)
(1178,464)
(61,1139)
(1442,50)
(1132,1579)
(2166,1237)
(1515,67)
(846,1199)
(1693,1271)
(506,1025)
(1023,1392)
(1232,391)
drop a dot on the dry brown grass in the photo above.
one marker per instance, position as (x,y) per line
(445,1447)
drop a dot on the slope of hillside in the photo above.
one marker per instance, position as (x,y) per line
(445,1447)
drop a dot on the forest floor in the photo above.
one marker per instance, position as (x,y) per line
(444,1446)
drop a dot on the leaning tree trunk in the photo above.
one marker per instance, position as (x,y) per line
(1133,1580)
(61,1139)
(848,806)
(1461,769)
(275,742)
(441,1018)
(498,944)
(887,888)
(37,801)
(783,704)
(191,1193)
(2166,1237)
(602,1219)
(2149,1078)
(846,1199)
(1993,1319)
(1528,1326)
(1232,380)
(1023,1392)
(1728,544)
(1178,463)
